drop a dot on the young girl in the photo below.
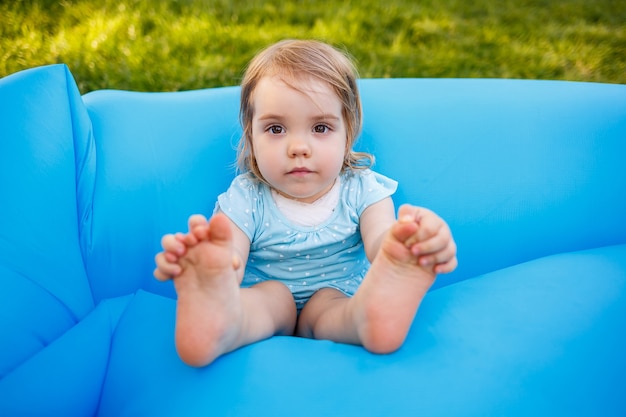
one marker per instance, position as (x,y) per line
(305,241)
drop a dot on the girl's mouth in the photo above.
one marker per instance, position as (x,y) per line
(300,170)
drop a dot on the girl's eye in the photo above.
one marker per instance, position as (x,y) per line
(276,130)
(321,129)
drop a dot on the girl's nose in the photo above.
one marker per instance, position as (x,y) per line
(299,147)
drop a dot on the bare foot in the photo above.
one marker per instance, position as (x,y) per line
(209,312)
(389,296)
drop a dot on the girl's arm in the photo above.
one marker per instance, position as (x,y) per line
(241,250)
(375,221)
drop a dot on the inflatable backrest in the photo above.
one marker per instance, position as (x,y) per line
(46,154)
(161,157)
(519,168)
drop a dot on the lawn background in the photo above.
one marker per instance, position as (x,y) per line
(168,45)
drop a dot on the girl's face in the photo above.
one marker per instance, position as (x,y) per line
(298,138)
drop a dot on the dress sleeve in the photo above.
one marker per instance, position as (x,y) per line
(240,203)
(369,187)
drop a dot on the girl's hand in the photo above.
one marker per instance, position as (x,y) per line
(432,243)
(167,266)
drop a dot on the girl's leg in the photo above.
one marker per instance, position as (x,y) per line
(382,310)
(327,316)
(214,315)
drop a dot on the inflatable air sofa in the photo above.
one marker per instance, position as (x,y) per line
(530,175)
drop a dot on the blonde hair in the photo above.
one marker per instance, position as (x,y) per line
(293,61)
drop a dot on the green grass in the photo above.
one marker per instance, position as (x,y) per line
(166,45)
